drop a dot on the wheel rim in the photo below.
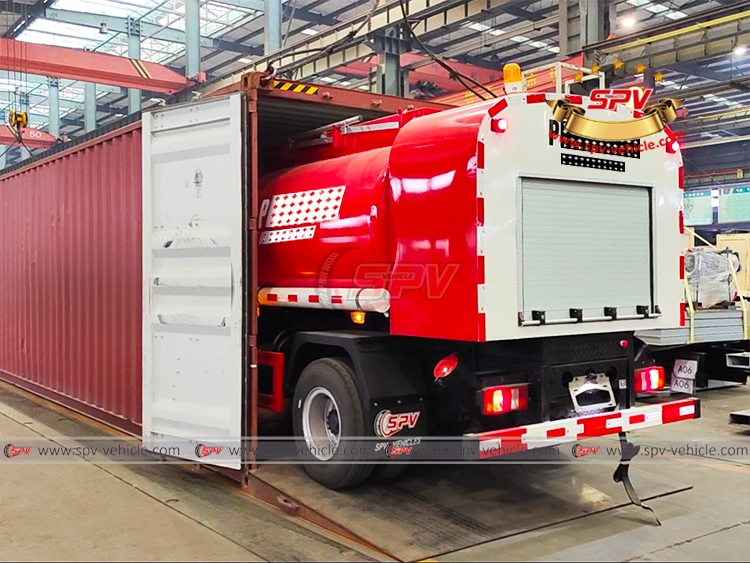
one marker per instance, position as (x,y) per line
(321,423)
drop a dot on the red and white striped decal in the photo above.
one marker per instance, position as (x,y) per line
(545,434)
(481,319)
(343,298)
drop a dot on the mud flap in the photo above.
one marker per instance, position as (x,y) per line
(629,451)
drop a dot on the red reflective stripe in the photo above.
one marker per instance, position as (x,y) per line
(682,222)
(535,98)
(682,266)
(313,299)
(482,328)
(597,426)
(683,310)
(637,419)
(480,211)
(480,156)
(671,412)
(573,99)
(498,107)
(480,270)
(292,299)
(682,178)
(272,297)
(338,299)
(556,433)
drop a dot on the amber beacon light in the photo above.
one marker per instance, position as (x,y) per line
(512,78)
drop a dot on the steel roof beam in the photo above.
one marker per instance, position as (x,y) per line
(148,29)
(88,66)
(687,43)
(486,41)
(694,70)
(42,80)
(306,9)
(432,16)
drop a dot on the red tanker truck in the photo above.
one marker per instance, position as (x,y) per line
(472,275)
(464,273)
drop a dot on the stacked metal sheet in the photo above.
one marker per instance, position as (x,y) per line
(716,325)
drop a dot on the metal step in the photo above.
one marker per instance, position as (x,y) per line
(740,417)
(739,360)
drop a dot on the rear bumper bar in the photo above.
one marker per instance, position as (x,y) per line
(545,434)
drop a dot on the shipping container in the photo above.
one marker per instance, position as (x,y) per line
(71,261)
(70,277)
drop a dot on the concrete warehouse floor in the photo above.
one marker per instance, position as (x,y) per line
(93,512)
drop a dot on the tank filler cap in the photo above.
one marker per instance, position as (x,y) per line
(512,79)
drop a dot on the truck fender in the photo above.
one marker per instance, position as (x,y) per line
(388,377)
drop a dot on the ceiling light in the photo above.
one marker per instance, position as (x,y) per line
(657,8)
(245,61)
(740,50)
(674,15)
(519,39)
(478,26)
(309,32)
(638,2)
(628,22)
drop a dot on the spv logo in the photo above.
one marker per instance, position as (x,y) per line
(608,99)
(205,451)
(387,423)
(12,451)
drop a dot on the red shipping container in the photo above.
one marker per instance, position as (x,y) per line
(70,278)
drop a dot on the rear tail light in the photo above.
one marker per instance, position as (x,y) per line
(649,379)
(505,398)
(498,125)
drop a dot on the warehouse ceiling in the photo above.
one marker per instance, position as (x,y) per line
(526,32)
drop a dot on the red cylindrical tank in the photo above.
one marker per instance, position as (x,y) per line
(334,212)
(391,230)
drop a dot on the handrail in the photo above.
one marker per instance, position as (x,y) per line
(691,311)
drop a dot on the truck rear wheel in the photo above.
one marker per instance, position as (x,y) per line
(387,471)
(327,408)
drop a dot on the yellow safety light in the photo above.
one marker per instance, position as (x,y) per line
(358,317)
(512,78)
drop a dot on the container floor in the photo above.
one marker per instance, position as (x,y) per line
(564,512)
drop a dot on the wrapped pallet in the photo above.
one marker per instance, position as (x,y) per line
(709,276)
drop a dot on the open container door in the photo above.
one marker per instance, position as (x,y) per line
(194,256)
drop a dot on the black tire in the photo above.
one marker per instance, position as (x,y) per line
(337,378)
(387,471)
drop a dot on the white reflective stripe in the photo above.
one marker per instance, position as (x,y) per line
(688,409)
(486,445)
(536,434)
(614,422)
